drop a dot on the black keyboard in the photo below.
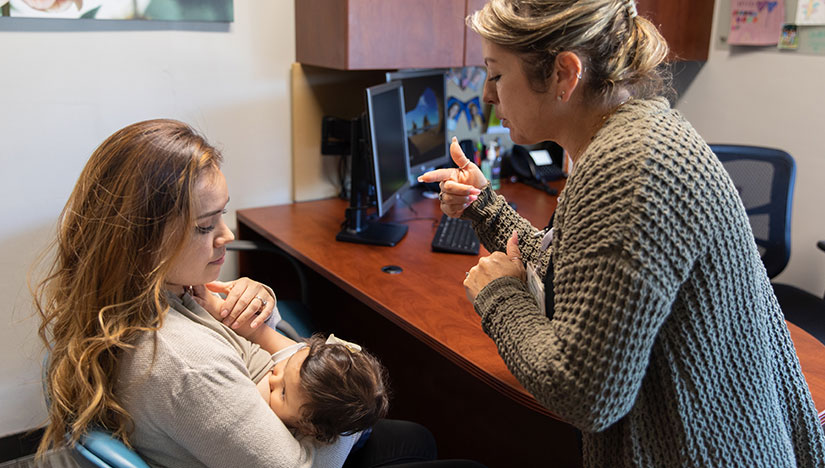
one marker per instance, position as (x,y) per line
(549,172)
(455,235)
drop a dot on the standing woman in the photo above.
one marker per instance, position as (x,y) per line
(659,335)
(130,349)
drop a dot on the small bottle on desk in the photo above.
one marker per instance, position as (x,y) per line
(494,158)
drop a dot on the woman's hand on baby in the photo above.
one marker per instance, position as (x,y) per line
(459,186)
(247,305)
(494,266)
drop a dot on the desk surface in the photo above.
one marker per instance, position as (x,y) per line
(427,299)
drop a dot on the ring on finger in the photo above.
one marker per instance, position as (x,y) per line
(263,301)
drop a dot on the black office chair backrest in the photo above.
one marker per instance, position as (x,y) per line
(764,178)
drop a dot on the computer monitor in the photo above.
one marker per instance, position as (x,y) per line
(425,111)
(382,162)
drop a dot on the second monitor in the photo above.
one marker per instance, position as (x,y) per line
(425,115)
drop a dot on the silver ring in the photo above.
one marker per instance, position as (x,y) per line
(263,301)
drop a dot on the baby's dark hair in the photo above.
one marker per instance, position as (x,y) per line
(346,390)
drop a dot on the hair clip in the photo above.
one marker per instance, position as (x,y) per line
(352,347)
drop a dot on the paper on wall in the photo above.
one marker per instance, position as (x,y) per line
(810,12)
(756,22)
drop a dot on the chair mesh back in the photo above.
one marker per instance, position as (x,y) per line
(764,178)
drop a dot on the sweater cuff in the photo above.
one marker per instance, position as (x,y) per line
(476,211)
(498,297)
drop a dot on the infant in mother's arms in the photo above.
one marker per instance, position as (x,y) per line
(319,387)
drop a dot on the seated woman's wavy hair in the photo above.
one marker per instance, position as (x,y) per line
(117,236)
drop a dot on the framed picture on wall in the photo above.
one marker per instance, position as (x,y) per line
(156,10)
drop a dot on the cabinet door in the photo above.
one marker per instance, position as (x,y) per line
(472,42)
(685,24)
(379,34)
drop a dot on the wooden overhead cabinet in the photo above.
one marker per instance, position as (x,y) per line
(380,34)
(391,34)
(685,24)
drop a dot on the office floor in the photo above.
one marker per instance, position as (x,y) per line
(63,458)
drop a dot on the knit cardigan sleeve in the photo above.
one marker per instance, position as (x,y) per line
(620,250)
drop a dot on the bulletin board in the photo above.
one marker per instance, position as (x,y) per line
(811,38)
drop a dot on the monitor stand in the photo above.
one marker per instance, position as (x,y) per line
(386,234)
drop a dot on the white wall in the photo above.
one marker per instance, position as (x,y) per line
(66,85)
(769,98)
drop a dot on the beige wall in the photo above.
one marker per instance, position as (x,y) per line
(769,98)
(66,85)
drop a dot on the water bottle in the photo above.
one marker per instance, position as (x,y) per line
(494,159)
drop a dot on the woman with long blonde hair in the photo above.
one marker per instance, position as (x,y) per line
(132,350)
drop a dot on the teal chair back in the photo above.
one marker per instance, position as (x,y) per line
(100,447)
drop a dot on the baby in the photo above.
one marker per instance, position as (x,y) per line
(324,388)
(321,388)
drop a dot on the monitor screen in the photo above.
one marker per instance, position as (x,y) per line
(424,108)
(388,143)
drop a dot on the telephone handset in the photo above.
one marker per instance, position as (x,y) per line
(536,164)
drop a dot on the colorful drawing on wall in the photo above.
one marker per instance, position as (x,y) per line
(790,37)
(162,10)
(756,22)
(810,12)
(471,109)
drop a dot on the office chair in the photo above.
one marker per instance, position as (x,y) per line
(99,447)
(764,178)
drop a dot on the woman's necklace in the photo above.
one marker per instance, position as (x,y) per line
(605,116)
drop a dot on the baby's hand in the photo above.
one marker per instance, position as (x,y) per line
(209,301)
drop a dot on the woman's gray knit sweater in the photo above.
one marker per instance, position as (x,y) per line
(667,347)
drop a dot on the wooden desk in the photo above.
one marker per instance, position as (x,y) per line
(435,328)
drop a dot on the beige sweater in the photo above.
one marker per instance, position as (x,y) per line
(195,404)
(667,347)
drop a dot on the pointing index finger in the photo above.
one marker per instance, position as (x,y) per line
(437,175)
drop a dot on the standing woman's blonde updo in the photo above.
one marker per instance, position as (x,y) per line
(620,49)
(123,225)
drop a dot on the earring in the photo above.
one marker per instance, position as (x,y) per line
(560,96)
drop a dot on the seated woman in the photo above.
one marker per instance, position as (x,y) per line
(132,352)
